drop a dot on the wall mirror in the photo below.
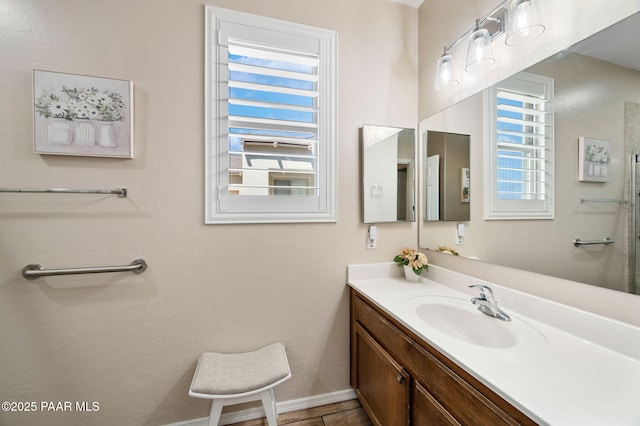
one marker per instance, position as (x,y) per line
(597,95)
(388,174)
(446,177)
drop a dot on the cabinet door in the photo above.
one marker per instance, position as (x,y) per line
(382,385)
(426,411)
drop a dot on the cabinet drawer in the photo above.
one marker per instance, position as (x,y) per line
(385,333)
(456,395)
(427,411)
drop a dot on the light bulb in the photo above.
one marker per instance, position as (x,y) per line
(445,73)
(524,22)
(479,50)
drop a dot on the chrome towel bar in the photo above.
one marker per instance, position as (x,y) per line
(603,200)
(606,241)
(120,192)
(33,271)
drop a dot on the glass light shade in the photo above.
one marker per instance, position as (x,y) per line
(479,50)
(445,73)
(524,22)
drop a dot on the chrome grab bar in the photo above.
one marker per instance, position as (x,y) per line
(33,271)
(120,192)
(606,241)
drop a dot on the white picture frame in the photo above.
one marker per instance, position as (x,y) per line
(82,115)
(594,156)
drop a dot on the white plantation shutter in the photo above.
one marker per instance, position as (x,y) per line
(520,148)
(270,134)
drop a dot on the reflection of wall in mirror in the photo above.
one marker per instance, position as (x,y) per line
(463,118)
(432,179)
(380,176)
(406,175)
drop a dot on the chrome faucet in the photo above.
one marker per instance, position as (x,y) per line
(487,303)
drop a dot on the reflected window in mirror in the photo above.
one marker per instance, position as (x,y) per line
(519,148)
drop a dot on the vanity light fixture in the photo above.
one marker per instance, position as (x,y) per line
(445,72)
(520,20)
(479,50)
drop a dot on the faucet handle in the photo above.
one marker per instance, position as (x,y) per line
(482,289)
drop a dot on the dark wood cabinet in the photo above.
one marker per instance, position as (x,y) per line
(402,380)
(426,411)
(382,383)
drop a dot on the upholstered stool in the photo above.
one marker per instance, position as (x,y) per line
(235,378)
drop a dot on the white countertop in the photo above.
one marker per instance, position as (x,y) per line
(570,368)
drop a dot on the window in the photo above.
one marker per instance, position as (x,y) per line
(270,111)
(519,148)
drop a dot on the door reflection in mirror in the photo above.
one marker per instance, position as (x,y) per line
(447,176)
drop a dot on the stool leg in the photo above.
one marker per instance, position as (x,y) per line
(273,401)
(216,410)
(269,404)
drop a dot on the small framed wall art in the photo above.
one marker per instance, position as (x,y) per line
(82,115)
(465,186)
(594,156)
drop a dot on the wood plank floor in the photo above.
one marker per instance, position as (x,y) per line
(347,413)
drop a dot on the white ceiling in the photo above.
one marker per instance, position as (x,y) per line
(412,3)
(617,44)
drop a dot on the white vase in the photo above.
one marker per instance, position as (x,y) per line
(59,131)
(596,170)
(84,133)
(409,274)
(589,168)
(604,170)
(106,136)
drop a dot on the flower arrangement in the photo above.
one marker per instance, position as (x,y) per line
(85,104)
(447,250)
(413,258)
(597,154)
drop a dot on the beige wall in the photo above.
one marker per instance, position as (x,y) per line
(130,341)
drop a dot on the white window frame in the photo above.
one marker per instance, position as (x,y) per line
(220,206)
(504,209)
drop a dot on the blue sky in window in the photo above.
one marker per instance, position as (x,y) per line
(268,63)
(283,99)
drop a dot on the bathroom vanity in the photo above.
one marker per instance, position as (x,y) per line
(421,353)
(400,379)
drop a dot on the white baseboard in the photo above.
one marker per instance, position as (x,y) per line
(283,407)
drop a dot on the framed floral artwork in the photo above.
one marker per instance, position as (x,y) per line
(82,115)
(594,156)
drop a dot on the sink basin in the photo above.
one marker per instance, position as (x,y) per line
(458,318)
